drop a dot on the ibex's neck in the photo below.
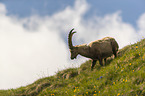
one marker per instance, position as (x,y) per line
(84,50)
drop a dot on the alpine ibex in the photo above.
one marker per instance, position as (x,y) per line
(96,50)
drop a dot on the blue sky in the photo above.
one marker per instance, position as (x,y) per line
(33,35)
(131,9)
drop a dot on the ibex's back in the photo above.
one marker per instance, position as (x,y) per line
(104,47)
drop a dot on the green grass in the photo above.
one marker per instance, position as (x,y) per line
(122,76)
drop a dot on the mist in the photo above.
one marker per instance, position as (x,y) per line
(36,46)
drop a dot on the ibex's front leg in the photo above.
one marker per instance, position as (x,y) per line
(93,64)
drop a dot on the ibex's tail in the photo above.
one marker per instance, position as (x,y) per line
(115,46)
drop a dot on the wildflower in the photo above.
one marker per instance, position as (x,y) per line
(136,46)
(86,92)
(95,91)
(133,70)
(101,77)
(75,90)
(114,83)
(99,92)
(126,80)
(118,94)
(123,80)
(130,64)
(95,94)
(94,86)
(139,54)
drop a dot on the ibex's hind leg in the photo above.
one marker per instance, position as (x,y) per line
(114,47)
(115,53)
(100,61)
(105,61)
(93,64)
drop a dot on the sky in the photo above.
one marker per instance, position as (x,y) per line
(33,35)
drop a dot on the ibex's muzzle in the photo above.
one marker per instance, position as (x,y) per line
(73,58)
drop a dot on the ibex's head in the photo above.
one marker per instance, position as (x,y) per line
(73,49)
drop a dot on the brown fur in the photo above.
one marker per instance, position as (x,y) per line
(96,50)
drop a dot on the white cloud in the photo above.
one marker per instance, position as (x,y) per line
(2,9)
(32,47)
(141,25)
(109,25)
(24,53)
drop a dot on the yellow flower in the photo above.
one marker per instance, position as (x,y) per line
(118,94)
(99,92)
(126,80)
(114,83)
(133,70)
(123,80)
(130,64)
(94,86)
(136,46)
(86,92)
(95,91)
(95,94)
(75,90)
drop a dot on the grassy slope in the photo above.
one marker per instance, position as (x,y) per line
(124,75)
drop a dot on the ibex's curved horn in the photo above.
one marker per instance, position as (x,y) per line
(70,39)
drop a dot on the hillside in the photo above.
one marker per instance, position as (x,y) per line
(121,76)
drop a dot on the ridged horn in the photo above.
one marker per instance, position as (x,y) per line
(70,39)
